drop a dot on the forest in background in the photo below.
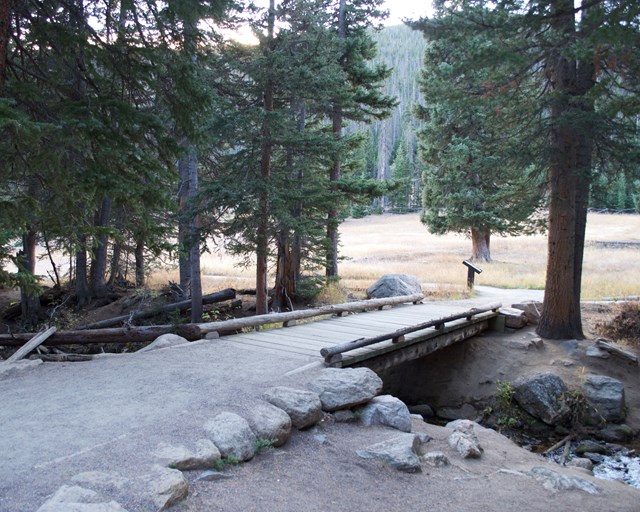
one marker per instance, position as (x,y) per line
(134,130)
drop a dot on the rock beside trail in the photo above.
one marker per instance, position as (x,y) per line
(394,285)
(303,407)
(164,341)
(555,481)
(464,440)
(73,498)
(436,459)
(386,410)
(514,318)
(343,388)
(270,423)
(606,398)
(531,308)
(204,456)
(400,452)
(543,396)
(166,486)
(232,435)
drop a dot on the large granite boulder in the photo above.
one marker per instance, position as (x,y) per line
(543,396)
(303,407)
(232,435)
(394,285)
(342,388)
(606,398)
(271,423)
(386,410)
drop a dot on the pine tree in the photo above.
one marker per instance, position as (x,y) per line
(581,109)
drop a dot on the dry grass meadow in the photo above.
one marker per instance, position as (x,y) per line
(384,244)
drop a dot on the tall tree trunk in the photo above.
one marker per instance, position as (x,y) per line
(82,284)
(184,263)
(481,244)
(29,301)
(99,263)
(333,222)
(296,246)
(262,241)
(569,178)
(140,270)
(5,33)
(285,287)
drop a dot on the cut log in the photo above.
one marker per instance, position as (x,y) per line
(227,294)
(615,350)
(119,335)
(33,343)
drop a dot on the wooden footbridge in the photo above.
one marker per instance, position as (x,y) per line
(378,339)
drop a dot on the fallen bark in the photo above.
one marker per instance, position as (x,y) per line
(226,294)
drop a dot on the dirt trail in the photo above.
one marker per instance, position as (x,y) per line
(109,415)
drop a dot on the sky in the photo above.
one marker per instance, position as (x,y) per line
(399,9)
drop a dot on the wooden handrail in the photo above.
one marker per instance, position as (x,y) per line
(329,352)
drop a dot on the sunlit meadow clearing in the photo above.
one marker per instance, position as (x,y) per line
(383,244)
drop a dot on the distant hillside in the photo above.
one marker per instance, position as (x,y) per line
(401,49)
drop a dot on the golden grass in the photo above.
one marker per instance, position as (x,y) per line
(401,244)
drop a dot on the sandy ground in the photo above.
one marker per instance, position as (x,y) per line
(61,419)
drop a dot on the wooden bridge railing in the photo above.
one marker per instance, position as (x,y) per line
(334,354)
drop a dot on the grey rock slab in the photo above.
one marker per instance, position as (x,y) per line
(616,433)
(605,396)
(386,410)
(73,498)
(464,440)
(165,486)
(543,396)
(572,347)
(394,285)
(581,462)
(400,452)
(232,435)
(596,352)
(555,481)
(270,423)
(203,456)
(164,341)
(343,388)
(303,407)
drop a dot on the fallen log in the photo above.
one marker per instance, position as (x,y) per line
(33,343)
(226,294)
(119,335)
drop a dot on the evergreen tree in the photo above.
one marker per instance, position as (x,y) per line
(583,63)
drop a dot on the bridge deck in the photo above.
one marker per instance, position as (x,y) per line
(307,339)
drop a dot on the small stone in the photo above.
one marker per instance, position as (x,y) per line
(167,486)
(423,410)
(571,346)
(588,446)
(164,341)
(270,423)
(232,435)
(596,458)
(386,410)
(205,455)
(303,407)
(581,462)
(399,452)
(436,459)
(321,438)
(464,440)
